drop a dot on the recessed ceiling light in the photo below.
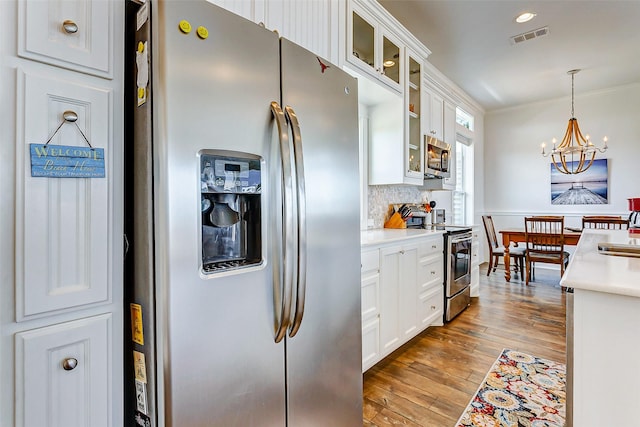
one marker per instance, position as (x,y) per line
(525,17)
(388,63)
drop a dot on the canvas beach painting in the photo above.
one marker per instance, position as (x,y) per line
(586,188)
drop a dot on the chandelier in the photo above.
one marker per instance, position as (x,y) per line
(576,153)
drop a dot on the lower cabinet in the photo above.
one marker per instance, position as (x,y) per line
(63,374)
(475,262)
(402,294)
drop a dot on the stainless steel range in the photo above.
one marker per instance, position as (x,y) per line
(457,270)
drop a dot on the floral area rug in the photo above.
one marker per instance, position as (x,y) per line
(519,391)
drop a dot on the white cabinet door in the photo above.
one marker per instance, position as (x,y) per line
(408,290)
(435,114)
(63,226)
(63,375)
(370,343)
(75,34)
(449,118)
(475,262)
(370,284)
(308,23)
(430,307)
(372,48)
(398,294)
(390,266)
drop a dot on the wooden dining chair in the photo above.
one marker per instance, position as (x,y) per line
(497,250)
(544,236)
(605,222)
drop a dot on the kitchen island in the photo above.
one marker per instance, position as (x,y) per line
(603,317)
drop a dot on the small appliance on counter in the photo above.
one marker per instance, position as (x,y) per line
(409,215)
(634,216)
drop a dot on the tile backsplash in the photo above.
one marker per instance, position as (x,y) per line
(381,196)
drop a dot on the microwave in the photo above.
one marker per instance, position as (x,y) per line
(436,161)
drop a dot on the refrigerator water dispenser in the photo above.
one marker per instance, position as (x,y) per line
(230,191)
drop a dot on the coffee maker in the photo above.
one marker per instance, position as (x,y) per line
(230,190)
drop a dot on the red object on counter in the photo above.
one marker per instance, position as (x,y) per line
(634,204)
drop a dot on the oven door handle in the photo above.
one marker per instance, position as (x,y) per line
(462,238)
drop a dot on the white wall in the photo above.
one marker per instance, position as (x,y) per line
(517,177)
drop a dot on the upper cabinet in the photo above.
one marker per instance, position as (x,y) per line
(373,49)
(449,124)
(313,24)
(414,147)
(72,34)
(389,64)
(434,114)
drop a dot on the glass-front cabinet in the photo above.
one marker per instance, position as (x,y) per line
(414,148)
(374,49)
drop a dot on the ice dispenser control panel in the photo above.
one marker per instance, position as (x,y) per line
(230,175)
(230,187)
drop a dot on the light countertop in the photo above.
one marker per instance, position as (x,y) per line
(590,270)
(388,235)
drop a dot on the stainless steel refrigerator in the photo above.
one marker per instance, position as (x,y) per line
(242,226)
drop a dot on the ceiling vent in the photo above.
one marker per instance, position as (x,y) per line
(530,35)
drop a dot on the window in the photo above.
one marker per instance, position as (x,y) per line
(463,194)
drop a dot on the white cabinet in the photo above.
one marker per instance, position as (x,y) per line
(62,225)
(435,114)
(62,268)
(441,124)
(313,24)
(475,262)
(64,374)
(373,49)
(370,288)
(398,290)
(402,294)
(449,123)
(72,34)
(414,146)
(431,278)
(396,149)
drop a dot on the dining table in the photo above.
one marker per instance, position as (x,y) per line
(515,235)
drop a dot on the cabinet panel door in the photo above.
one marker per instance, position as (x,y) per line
(75,34)
(369,289)
(63,225)
(435,119)
(449,123)
(408,291)
(370,343)
(53,392)
(307,23)
(389,298)
(430,272)
(430,307)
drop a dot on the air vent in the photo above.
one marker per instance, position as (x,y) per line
(530,35)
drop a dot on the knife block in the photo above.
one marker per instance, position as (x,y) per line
(395,221)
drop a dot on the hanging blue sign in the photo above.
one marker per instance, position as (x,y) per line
(65,161)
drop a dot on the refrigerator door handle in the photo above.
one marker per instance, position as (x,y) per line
(284,311)
(292,119)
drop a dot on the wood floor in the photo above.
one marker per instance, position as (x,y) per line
(431,379)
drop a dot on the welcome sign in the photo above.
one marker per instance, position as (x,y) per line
(65,161)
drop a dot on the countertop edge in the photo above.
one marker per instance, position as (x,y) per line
(590,270)
(381,236)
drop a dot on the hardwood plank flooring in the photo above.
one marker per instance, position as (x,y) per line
(430,380)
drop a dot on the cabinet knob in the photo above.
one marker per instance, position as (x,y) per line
(434,246)
(70,27)
(433,307)
(433,132)
(402,252)
(69,364)
(433,272)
